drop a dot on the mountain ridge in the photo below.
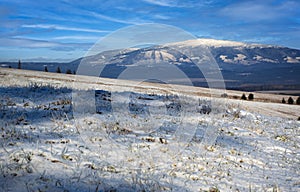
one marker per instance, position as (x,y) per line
(243,65)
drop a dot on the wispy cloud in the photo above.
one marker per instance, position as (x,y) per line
(45,59)
(164,3)
(260,11)
(113,19)
(179,4)
(23,42)
(58,27)
(35,43)
(124,8)
(161,17)
(77,37)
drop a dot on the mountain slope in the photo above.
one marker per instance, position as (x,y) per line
(243,66)
(266,104)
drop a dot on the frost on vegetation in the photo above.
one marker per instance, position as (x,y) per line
(43,148)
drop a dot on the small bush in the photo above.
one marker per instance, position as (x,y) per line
(46,69)
(244,97)
(213,189)
(69,71)
(224,95)
(235,97)
(251,96)
(283,100)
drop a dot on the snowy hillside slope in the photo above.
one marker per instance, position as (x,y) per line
(271,102)
(43,147)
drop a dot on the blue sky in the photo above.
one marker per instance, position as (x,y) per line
(63,30)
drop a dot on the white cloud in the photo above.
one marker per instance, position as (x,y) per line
(259,10)
(108,18)
(22,42)
(76,37)
(45,59)
(162,17)
(58,27)
(164,3)
(175,3)
(36,43)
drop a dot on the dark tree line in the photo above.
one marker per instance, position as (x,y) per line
(68,71)
(291,101)
(58,70)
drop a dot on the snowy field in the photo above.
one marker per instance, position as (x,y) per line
(162,140)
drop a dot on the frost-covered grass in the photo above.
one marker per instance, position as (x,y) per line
(44,147)
(43,150)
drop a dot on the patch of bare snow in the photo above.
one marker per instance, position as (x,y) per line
(291,60)
(260,58)
(225,59)
(241,59)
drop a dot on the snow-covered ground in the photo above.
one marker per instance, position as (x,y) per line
(162,140)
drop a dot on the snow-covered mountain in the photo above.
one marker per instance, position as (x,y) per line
(223,51)
(243,65)
(245,53)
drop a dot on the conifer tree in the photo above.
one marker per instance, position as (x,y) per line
(244,97)
(19,64)
(58,70)
(298,101)
(290,100)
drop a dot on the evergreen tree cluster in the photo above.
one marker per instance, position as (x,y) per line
(250,97)
(58,70)
(291,101)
